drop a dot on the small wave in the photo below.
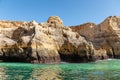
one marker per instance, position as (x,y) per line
(63,62)
(110,59)
(105,60)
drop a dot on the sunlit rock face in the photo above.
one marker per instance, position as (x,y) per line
(26,43)
(52,42)
(71,46)
(47,42)
(105,36)
(55,21)
(86,30)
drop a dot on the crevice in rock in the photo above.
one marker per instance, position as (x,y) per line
(113,52)
(73,58)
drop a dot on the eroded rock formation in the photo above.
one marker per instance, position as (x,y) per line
(48,42)
(52,42)
(105,36)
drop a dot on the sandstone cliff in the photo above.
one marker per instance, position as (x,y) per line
(105,36)
(52,42)
(48,42)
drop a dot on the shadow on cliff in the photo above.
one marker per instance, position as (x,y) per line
(19,52)
(72,54)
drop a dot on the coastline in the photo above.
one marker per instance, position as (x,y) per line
(51,42)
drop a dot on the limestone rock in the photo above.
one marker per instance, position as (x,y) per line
(104,36)
(47,42)
(55,21)
(69,44)
(27,44)
(52,42)
(86,30)
(109,38)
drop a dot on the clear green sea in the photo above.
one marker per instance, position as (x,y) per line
(100,70)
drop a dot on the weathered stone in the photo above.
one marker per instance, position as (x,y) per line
(105,36)
(42,43)
(52,42)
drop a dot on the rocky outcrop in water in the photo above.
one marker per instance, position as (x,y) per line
(52,42)
(26,42)
(48,42)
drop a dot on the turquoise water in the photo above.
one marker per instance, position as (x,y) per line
(100,70)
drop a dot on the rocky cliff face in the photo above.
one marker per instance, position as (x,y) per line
(48,42)
(26,42)
(52,42)
(105,36)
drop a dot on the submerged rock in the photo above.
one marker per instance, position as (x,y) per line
(52,42)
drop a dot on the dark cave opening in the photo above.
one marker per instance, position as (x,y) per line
(73,58)
(13,59)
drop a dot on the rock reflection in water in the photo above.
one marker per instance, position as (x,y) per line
(46,73)
(2,74)
(100,70)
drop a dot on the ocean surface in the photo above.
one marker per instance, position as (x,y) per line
(100,70)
